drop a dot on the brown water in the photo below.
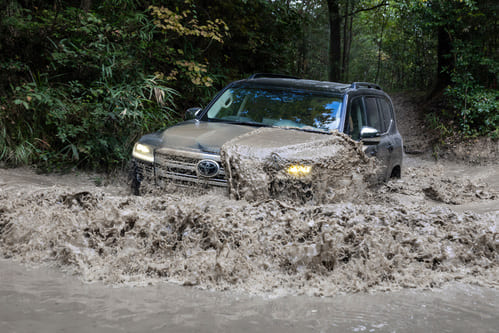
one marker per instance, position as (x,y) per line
(44,300)
(434,228)
(400,237)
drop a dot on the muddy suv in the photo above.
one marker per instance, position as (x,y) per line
(189,152)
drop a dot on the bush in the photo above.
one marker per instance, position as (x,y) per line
(93,84)
(476,110)
(71,124)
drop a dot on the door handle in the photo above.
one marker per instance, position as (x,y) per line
(389,147)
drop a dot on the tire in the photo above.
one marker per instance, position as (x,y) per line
(136,178)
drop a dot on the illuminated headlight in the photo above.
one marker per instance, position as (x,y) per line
(297,170)
(143,152)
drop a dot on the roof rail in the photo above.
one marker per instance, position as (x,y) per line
(365,85)
(271,76)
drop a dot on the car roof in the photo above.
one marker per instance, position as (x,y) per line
(296,83)
(314,85)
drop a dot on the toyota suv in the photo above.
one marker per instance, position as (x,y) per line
(189,152)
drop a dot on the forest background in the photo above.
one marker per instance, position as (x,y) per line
(81,80)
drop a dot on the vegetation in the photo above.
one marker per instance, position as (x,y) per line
(81,80)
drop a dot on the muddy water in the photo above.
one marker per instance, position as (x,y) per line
(434,228)
(44,300)
(268,247)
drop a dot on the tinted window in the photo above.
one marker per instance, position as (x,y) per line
(373,118)
(355,119)
(386,111)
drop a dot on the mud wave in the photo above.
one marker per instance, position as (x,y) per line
(263,246)
(433,184)
(256,165)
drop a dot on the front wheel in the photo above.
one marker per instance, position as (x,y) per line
(136,178)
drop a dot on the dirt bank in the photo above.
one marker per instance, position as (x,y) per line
(420,139)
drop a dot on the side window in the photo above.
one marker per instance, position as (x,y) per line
(373,117)
(386,111)
(355,119)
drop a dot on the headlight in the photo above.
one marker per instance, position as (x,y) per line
(143,152)
(297,170)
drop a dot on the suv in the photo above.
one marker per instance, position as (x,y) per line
(189,152)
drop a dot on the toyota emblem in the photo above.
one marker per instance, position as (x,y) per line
(207,168)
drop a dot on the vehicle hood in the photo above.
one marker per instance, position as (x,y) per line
(201,136)
(288,143)
(209,137)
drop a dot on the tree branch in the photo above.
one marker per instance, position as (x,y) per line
(384,3)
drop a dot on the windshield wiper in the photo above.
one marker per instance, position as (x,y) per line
(235,122)
(256,124)
(311,130)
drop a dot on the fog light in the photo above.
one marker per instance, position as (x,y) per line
(299,170)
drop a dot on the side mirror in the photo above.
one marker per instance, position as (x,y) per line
(192,113)
(369,134)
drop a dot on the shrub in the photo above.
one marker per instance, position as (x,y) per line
(99,82)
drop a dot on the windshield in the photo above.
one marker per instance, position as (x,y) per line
(278,107)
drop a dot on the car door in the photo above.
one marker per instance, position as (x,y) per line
(394,148)
(382,147)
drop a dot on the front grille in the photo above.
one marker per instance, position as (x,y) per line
(180,168)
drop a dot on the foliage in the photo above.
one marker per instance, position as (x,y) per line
(168,20)
(181,28)
(74,124)
(89,95)
(81,80)
(473,61)
(400,47)
(476,109)
(392,49)
(89,89)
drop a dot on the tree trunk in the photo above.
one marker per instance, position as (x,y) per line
(345,40)
(302,52)
(346,49)
(86,5)
(445,62)
(445,59)
(334,40)
(380,45)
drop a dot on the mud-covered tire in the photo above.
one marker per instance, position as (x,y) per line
(396,173)
(135,187)
(135,178)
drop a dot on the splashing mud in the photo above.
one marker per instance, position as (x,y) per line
(256,165)
(435,185)
(261,246)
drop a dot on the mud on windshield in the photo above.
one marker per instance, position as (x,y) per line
(277,107)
